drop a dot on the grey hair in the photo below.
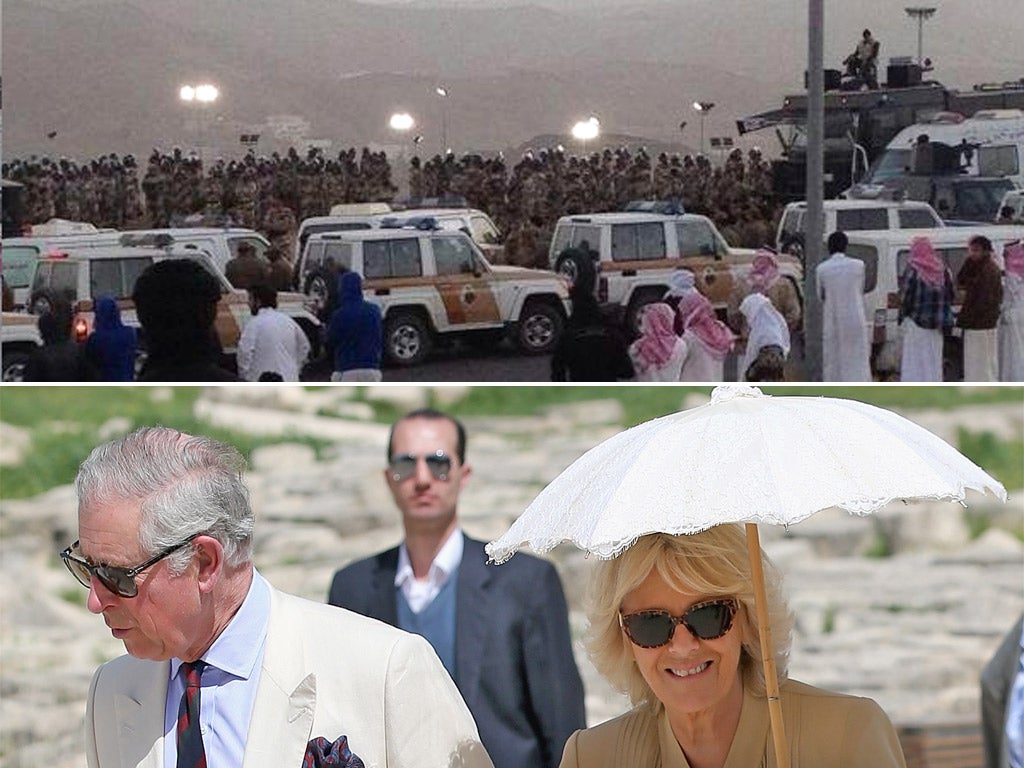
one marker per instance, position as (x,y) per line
(185,485)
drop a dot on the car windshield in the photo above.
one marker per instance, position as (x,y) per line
(893,162)
(18,263)
(980,201)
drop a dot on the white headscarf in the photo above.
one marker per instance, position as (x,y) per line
(767,327)
(681,282)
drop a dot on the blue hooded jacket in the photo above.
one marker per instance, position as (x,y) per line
(111,346)
(356,329)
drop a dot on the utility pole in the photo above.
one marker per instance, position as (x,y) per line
(815,188)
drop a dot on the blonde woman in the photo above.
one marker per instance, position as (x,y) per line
(673,625)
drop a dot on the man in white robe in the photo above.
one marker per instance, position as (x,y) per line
(846,353)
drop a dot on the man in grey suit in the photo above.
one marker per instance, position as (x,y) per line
(501,631)
(223,669)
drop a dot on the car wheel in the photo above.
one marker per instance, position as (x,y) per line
(540,327)
(14,365)
(794,245)
(566,266)
(42,302)
(406,339)
(321,288)
(636,306)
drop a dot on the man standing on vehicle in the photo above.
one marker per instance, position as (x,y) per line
(501,631)
(846,355)
(867,58)
(980,280)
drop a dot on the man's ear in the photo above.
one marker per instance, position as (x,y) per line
(209,560)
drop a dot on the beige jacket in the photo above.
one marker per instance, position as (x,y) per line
(823,729)
(326,672)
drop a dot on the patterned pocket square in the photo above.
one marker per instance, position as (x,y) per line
(320,753)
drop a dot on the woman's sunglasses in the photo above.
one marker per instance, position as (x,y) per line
(705,621)
(403,465)
(120,581)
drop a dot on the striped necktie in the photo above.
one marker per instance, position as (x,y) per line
(190,738)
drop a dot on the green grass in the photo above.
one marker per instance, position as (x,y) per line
(65,422)
(880,547)
(74,596)
(1003,459)
(642,403)
(828,620)
(977,523)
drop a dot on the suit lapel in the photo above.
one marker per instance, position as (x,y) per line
(282,717)
(140,717)
(471,620)
(383,604)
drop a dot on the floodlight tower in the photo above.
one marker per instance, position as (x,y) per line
(921,14)
(442,91)
(703,107)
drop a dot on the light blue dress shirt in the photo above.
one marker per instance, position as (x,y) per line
(229,684)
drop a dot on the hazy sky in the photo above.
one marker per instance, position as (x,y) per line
(742,54)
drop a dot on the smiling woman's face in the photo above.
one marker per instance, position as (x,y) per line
(688,675)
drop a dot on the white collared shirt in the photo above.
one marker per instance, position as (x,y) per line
(272,342)
(419,593)
(229,683)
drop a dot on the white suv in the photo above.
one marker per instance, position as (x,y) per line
(637,252)
(19,336)
(853,216)
(432,283)
(81,276)
(474,222)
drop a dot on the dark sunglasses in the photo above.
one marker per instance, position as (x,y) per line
(120,581)
(403,465)
(706,621)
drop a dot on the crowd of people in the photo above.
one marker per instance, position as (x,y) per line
(113,191)
(527,200)
(680,337)
(273,193)
(990,319)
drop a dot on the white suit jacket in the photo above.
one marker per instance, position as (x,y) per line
(326,672)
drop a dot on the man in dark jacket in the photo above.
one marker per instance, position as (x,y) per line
(60,358)
(176,302)
(247,270)
(591,349)
(501,631)
(980,280)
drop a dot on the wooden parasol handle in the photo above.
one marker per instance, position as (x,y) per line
(771,677)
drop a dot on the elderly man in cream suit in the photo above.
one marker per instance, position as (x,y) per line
(223,669)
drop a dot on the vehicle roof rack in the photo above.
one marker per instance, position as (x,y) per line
(442,201)
(424,223)
(149,239)
(673,207)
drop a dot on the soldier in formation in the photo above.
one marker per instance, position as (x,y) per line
(273,193)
